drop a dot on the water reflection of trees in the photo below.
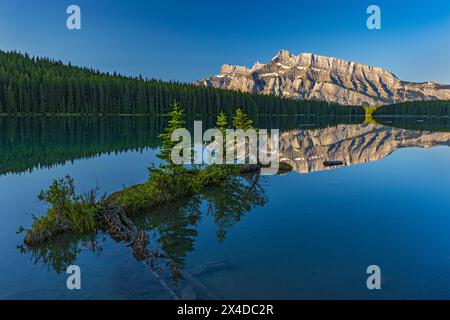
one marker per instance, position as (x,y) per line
(228,205)
(35,142)
(416,123)
(171,229)
(59,254)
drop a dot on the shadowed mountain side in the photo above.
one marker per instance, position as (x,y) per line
(310,150)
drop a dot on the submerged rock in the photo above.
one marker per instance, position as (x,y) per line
(284,167)
(208,267)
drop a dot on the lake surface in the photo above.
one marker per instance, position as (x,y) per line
(307,234)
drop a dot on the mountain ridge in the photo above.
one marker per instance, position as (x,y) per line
(316,77)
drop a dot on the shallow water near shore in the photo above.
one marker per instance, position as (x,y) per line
(307,234)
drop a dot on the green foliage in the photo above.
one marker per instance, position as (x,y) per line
(417,115)
(173,226)
(176,122)
(78,213)
(60,194)
(44,86)
(214,175)
(67,212)
(435,108)
(241,120)
(163,186)
(171,181)
(222,122)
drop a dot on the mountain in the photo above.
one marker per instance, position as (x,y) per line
(39,85)
(314,77)
(307,150)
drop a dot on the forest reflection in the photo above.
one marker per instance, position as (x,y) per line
(28,143)
(171,230)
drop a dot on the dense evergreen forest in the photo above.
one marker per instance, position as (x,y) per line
(416,115)
(31,85)
(437,108)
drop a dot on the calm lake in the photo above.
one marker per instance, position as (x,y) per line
(307,234)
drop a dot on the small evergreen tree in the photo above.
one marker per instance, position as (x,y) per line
(222,122)
(241,121)
(176,122)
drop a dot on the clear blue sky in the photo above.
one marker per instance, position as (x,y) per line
(188,40)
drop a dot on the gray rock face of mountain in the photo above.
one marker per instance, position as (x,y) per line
(309,76)
(308,150)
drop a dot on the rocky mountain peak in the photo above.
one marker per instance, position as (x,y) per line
(257,66)
(311,76)
(283,55)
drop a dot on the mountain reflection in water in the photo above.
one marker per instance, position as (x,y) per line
(309,150)
(172,229)
(28,143)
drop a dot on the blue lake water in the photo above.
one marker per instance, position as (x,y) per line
(312,235)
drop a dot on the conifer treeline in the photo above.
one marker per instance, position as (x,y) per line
(45,86)
(432,108)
